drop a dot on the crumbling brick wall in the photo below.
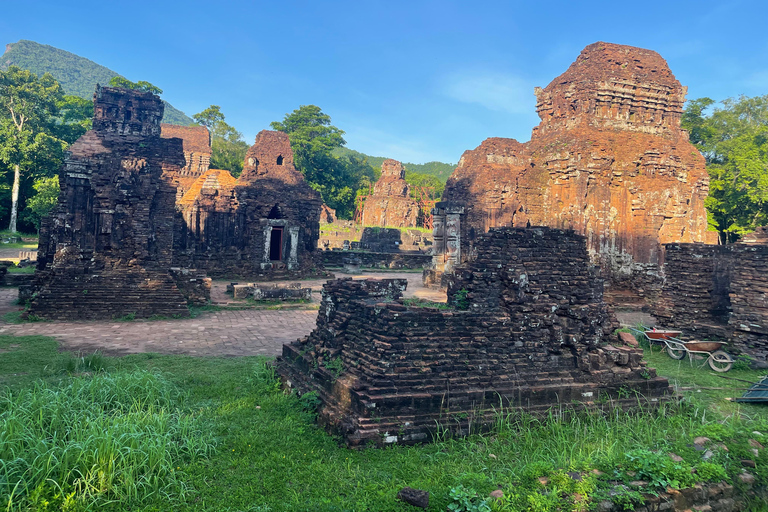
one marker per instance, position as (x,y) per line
(697,280)
(719,291)
(532,337)
(105,250)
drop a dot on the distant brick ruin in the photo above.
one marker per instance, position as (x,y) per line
(719,291)
(533,336)
(608,159)
(391,204)
(197,153)
(106,250)
(263,225)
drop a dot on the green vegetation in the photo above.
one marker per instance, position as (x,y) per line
(37,124)
(733,137)
(440,170)
(77,75)
(141,85)
(221,435)
(313,140)
(227,145)
(45,199)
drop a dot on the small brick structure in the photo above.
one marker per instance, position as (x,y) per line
(719,292)
(106,249)
(263,225)
(376,239)
(533,336)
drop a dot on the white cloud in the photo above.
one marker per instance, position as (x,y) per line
(495,91)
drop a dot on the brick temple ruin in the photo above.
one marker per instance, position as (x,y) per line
(391,204)
(719,291)
(106,249)
(533,336)
(609,160)
(263,225)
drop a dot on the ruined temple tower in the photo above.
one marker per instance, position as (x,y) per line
(263,225)
(196,141)
(609,160)
(391,204)
(106,249)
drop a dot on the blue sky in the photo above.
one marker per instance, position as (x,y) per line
(411,80)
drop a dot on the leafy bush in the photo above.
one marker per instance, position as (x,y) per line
(467,500)
(658,469)
(710,472)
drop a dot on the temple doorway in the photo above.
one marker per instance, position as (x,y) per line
(276,244)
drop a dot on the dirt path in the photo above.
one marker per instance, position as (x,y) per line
(226,332)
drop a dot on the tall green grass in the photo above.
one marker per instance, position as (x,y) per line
(96,439)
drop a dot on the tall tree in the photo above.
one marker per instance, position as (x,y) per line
(313,138)
(227,145)
(733,137)
(28,106)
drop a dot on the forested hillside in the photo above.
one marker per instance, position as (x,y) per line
(440,170)
(77,75)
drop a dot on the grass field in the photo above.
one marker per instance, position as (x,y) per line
(218,434)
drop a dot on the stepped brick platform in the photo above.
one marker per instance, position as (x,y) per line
(106,249)
(535,335)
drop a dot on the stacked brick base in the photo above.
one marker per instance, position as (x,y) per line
(533,337)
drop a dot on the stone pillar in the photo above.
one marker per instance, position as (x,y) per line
(438,234)
(452,240)
(267,240)
(293,256)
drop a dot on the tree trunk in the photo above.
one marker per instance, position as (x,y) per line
(15,198)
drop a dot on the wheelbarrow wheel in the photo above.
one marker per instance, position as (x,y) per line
(720,361)
(675,352)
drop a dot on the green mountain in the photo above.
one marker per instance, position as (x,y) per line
(77,75)
(439,170)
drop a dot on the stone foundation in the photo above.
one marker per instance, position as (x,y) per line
(533,336)
(403,260)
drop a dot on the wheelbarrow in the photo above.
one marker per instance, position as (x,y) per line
(718,360)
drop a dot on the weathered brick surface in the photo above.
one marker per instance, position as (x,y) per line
(391,204)
(106,249)
(608,159)
(229,227)
(533,337)
(719,291)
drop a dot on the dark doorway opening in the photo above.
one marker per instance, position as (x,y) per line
(276,244)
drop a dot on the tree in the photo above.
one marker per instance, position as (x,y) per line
(141,85)
(28,105)
(734,140)
(44,200)
(313,138)
(227,145)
